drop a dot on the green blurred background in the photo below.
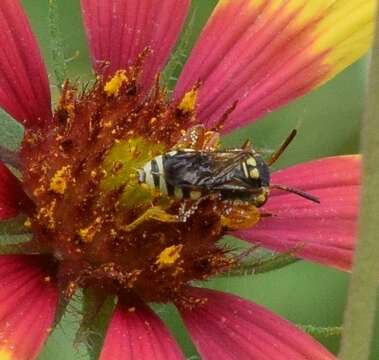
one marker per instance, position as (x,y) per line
(329,121)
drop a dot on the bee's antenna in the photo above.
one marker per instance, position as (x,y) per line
(276,155)
(296,191)
(246,146)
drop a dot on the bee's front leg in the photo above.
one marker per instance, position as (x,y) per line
(155,213)
(238,215)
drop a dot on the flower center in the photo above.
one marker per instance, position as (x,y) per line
(104,228)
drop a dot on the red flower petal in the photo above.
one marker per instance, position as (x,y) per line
(266,53)
(229,328)
(137,334)
(324,232)
(24,87)
(119,30)
(11,194)
(28,300)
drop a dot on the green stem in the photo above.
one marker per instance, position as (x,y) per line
(361,305)
(262,265)
(322,332)
(56,43)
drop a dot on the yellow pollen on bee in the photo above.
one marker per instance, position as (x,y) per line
(169,256)
(254,173)
(59,181)
(113,86)
(5,354)
(189,100)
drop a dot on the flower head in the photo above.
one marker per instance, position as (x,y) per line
(108,177)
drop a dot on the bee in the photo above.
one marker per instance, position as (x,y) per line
(197,169)
(236,175)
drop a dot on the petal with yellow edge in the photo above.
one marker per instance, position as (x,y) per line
(28,300)
(265,53)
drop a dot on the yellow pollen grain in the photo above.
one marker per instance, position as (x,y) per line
(59,181)
(87,234)
(39,191)
(107,124)
(189,100)
(47,213)
(113,86)
(5,354)
(28,223)
(169,256)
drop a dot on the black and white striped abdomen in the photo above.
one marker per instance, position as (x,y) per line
(153,174)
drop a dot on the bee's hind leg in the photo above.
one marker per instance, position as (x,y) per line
(155,213)
(198,138)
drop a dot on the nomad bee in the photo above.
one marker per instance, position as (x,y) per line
(237,175)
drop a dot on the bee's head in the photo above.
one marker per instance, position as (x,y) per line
(254,174)
(258,172)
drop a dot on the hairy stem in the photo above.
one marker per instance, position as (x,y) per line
(362,299)
(56,43)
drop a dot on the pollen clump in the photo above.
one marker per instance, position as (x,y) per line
(169,256)
(188,103)
(47,213)
(87,234)
(113,86)
(58,183)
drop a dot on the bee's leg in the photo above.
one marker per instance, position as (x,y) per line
(189,207)
(191,138)
(239,215)
(211,141)
(198,138)
(154,213)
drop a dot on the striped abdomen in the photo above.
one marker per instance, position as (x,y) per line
(154,176)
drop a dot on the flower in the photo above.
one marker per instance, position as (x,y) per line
(94,226)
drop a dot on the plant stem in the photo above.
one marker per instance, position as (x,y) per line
(56,44)
(362,299)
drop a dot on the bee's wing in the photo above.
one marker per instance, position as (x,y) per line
(188,169)
(226,162)
(202,169)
